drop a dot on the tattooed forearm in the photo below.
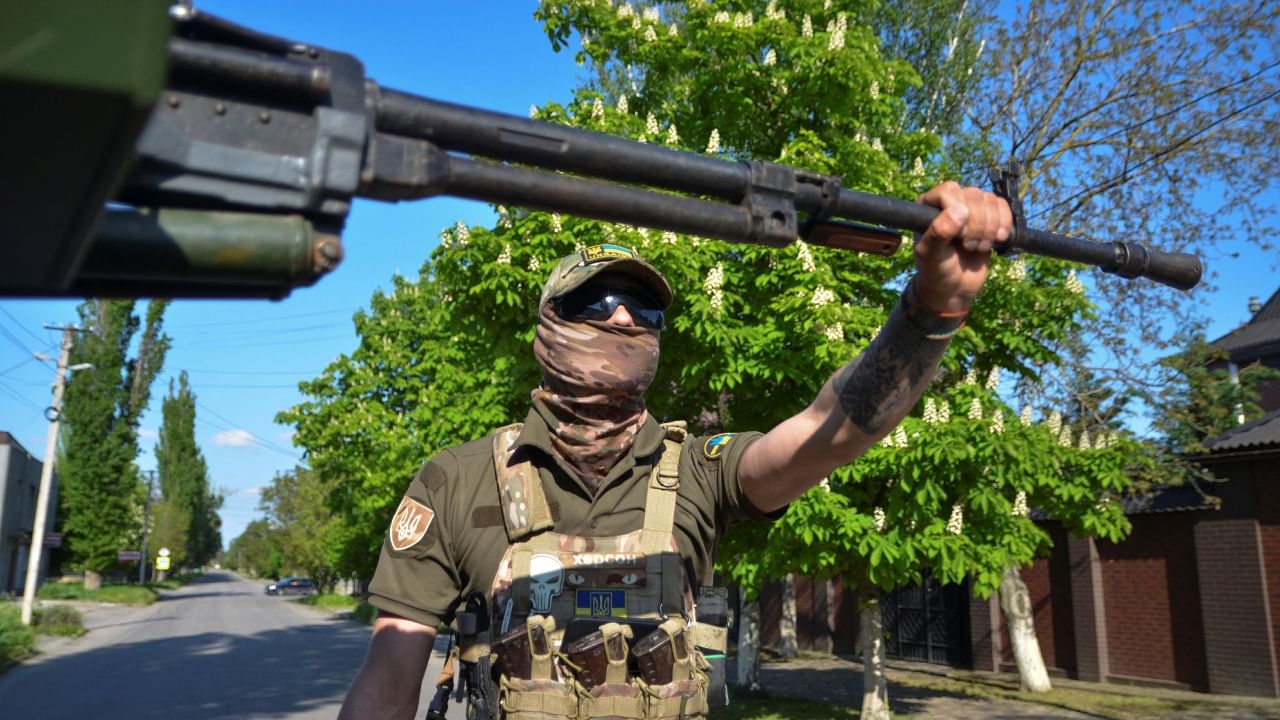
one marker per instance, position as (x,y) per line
(878,387)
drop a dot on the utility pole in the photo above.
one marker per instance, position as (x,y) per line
(146,520)
(54,415)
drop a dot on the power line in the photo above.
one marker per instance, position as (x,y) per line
(23,327)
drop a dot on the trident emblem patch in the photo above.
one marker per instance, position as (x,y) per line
(410,524)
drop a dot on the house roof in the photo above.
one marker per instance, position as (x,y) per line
(1261,434)
(1167,499)
(1249,340)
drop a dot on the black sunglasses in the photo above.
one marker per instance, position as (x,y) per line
(599,302)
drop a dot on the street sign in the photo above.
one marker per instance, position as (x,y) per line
(129,555)
(164,552)
(53,539)
(162,562)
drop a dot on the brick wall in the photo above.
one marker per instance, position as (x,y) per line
(1152,598)
(1267,489)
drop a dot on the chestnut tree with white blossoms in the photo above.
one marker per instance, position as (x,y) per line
(754,331)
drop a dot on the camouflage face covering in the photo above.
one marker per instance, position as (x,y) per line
(592,392)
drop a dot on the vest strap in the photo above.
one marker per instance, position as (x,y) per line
(660,499)
(521,581)
(524,505)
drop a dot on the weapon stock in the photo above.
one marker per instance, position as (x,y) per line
(254,125)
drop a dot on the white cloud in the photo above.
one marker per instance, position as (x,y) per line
(146,434)
(249,492)
(234,438)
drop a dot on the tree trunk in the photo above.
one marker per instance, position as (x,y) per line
(749,646)
(1015,602)
(875,689)
(92,580)
(789,645)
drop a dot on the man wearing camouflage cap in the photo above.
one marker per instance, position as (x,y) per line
(591,520)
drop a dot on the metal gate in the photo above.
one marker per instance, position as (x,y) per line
(928,622)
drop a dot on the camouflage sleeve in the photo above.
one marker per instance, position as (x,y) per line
(417,577)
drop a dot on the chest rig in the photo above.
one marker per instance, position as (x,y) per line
(591,627)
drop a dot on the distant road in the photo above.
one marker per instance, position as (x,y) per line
(217,648)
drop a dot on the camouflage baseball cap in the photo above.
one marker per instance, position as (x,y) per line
(575,269)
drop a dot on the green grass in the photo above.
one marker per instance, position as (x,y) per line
(16,640)
(360,611)
(122,594)
(60,620)
(778,707)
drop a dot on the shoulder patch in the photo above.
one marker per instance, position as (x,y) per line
(409,525)
(716,444)
(431,476)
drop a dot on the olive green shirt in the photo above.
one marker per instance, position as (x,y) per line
(466,539)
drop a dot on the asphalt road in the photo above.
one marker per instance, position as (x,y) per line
(217,648)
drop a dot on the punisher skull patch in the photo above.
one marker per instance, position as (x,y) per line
(410,524)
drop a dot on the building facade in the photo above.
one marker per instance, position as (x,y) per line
(19,487)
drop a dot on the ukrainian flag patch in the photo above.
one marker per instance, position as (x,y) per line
(716,444)
(596,253)
(601,603)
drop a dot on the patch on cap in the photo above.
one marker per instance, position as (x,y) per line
(715,444)
(410,524)
(597,253)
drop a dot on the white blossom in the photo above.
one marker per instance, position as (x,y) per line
(555,222)
(886,441)
(836,42)
(1018,269)
(931,416)
(1055,422)
(826,5)
(975,409)
(806,257)
(771,57)
(1025,416)
(1064,439)
(504,258)
(806,28)
(651,14)
(673,31)
(504,217)
(874,91)
(650,35)
(721,17)
(597,110)
(821,297)
(579,246)
(877,145)
(625,10)
(997,422)
(1085,443)
(955,523)
(971,377)
(651,125)
(1020,508)
(533,111)
(622,105)
(668,238)
(833,333)
(944,411)
(534,264)
(461,233)
(825,484)
(900,437)
(713,284)
(878,519)
(609,236)
(993,379)
(743,20)
(673,138)
(1074,284)
(917,170)
(713,142)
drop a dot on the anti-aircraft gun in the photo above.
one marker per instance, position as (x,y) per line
(199,158)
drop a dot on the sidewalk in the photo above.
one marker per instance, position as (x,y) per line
(924,690)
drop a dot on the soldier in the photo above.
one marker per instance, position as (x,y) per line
(569,550)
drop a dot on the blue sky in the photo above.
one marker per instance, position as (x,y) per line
(245,358)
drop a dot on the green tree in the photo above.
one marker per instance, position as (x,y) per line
(446,358)
(101,494)
(171,528)
(303,524)
(184,475)
(256,551)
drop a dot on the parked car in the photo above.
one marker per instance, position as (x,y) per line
(291,586)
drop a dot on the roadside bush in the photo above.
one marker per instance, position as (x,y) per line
(59,620)
(123,594)
(16,640)
(365,613)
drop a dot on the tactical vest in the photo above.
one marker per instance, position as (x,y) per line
(593,627)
